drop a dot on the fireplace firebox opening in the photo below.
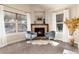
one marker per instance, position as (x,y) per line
(40,32)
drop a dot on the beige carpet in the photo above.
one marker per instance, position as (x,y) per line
(25,48)
(43,42)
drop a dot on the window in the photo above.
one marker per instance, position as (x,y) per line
(59,22)
(14,22)
(10,22)
(22,24)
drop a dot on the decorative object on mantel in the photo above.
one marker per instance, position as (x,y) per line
(39,18)
(72,25)
(44,21)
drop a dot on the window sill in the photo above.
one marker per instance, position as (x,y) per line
(8,34)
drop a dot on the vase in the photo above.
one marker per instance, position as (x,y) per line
(44,21)
(71,38)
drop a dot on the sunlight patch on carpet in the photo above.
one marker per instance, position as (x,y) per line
(43,42)
(53,43)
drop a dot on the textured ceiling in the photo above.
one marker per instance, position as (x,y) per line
(51,6)
(40,7)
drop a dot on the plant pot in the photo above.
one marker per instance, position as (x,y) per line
(71,40)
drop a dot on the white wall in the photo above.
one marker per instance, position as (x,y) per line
(28,22)
(2,30)
(15,37)
(65,30)
(49,18)
(53,21)
(74,11)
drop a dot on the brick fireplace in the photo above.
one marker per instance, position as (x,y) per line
(40,29)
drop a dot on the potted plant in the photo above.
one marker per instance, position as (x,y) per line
(72,24)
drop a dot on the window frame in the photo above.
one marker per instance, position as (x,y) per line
(19,22)
(16,22)
(9,22)
(60,22)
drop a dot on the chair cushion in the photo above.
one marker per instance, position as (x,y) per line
(50,34)
(30,35)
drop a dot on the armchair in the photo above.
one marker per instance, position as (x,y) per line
(50,35)
(30,35)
